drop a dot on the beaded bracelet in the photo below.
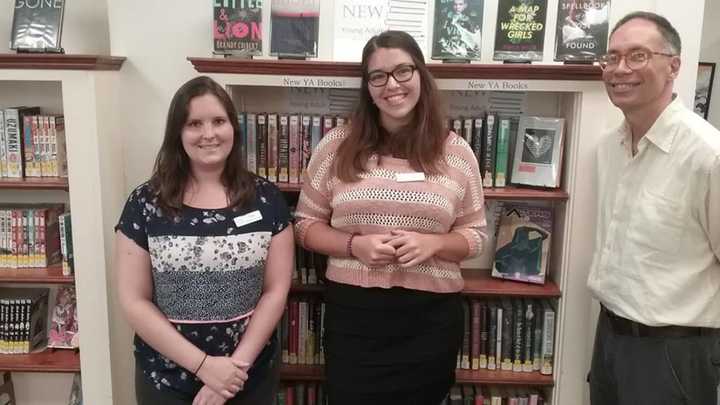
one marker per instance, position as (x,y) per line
(201,364)
(348,249)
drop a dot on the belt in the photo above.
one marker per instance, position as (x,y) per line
(624,326)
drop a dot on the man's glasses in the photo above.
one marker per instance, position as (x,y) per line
(634,60)
(402,73)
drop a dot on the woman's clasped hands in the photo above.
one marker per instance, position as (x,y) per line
(223,377)
(404,248)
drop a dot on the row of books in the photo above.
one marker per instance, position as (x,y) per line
(278,146)
(301,330)
(309,267)
(30,235)
(31,145)
(23,316)
(467,394)
(311,393)
(525,151)
(510,334)
(581,31)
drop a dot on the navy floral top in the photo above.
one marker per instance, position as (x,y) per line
(207,268)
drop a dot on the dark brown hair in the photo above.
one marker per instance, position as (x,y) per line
(172,165)
(421,141)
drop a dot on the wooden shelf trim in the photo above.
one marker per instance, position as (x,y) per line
(48,361)
(35,183)
(60,61)
(49,275)
(439,70)
(316,373)
(505,193)
(478,283)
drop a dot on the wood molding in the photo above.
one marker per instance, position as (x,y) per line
(60,61)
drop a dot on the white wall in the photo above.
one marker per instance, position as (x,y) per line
(710,52)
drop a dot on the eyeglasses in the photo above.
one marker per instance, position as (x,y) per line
(634,60)
(401,74)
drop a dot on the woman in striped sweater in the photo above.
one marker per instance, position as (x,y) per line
(395,200)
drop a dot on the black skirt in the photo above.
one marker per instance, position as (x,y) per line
(390,346)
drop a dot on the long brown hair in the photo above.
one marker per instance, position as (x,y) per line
(422,140)
(172,165)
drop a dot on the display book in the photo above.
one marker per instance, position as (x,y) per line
(37,26)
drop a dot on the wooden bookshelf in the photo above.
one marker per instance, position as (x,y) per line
(502,378)
(34,183)
(47,361)
(36,275)
(505,193)
(60,61)
(299,372)
(316,373)
(480,283)
(438,70)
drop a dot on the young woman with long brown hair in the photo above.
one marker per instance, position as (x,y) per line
(204,255)
(395,200)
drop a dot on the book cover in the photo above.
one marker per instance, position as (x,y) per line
(538,152)
(294,28)
(457,29)
(237,27)
(582,30)
(523,243)
(63,332)
(520,30)
(37,25)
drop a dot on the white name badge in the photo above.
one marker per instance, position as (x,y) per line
(248,218)
(408,177)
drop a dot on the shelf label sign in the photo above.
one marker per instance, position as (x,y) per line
(322,82)
(501,85)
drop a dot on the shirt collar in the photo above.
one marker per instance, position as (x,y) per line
(658,133)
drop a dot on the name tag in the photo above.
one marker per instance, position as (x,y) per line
(408,177)
(248,218)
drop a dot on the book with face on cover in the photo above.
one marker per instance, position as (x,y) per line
(457,29)
(37,25)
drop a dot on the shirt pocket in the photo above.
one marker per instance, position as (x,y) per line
(657,224)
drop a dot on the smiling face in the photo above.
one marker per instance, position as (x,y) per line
(207,136)
(648,88)
(395,101)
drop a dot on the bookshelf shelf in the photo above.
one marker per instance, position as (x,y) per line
(439,71)
(60,61)
(502,378)
(506,193)
(316,373)
(34,183)
(41,275)
(47,361)
(478,283)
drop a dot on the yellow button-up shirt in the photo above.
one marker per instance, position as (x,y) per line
(657,252)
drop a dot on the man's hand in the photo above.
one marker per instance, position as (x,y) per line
(413,248)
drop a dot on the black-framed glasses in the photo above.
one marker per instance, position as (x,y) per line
(634,59)
(401,73)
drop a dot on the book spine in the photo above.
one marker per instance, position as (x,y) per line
(295,150)
(548,343)
(467,130)
(28,153)
(475,345)
(502,150)
(262,145)
(492,333)
(284,150)
(3,150)
(507,336)
(272,147)
(489,147)
(305,143)
(242,126)
(518,335)
(529,334)
(477,141)
(13,145)
(251,122)
(465,361)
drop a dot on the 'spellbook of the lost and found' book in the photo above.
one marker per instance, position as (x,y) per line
(582,30)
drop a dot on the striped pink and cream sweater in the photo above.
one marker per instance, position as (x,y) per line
(448,202)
